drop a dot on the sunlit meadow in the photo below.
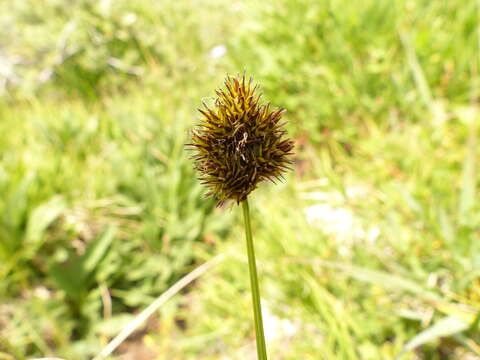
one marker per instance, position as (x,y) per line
(370,249)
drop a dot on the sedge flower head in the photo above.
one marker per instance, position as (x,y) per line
(239,142)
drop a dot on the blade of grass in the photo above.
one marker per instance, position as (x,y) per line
(415,67)
(468,185)
(447,326)
(386,280)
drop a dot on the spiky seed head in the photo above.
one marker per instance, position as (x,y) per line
(239,142)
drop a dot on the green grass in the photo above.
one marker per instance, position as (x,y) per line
(371,242)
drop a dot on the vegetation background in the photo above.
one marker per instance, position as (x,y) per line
(369,250)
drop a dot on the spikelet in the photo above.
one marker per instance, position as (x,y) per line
(239,142)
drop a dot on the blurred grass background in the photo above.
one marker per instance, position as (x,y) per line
(369,250)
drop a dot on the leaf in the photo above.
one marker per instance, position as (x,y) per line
(417,71)
(40,219)
(469,179)
(97,249)
(447,228)
(384,279)
(457,310)
(70,278)
(112,326)
(75,276)
(447,326)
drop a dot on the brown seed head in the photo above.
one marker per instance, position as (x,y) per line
(239,142)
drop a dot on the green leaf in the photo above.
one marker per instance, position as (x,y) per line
(384,279)
(112,326)
(447,326)
(97,249)
(469,179)
(75,276)
(40,219)
(70,278)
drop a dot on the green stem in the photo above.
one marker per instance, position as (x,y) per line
(257,309)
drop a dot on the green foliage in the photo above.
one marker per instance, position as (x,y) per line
(84,47)
(119,168)
(366,271)
(333,64)
(369,250)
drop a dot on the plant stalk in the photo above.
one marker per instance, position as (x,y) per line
(257,309)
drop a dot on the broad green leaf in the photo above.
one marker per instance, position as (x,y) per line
(70,278)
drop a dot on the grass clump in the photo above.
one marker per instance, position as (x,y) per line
(100,211)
